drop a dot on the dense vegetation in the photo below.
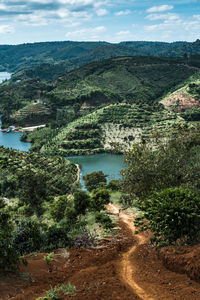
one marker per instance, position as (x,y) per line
(162,179)
(42,208)
(59,57)
(124,91)
(59,173)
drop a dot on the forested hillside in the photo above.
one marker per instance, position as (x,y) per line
(109,105)
(64,56)
(136,80)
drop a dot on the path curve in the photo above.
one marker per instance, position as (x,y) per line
(126,267)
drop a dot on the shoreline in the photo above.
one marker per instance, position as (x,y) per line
(23,129)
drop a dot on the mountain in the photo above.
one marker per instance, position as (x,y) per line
(134,80)
(108,105)
(73,54)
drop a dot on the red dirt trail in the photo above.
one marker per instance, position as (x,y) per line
(123,267)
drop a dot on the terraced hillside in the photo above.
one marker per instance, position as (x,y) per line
(130,79)
(105,106)
(60,174)
(113,128)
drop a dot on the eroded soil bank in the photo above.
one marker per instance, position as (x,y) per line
(123,267)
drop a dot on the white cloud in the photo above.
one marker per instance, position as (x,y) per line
(124,32)
(177,25)
(76,2)
(4,29)
(168,16)
(159,8)
(34,19)
(123,12)
(86,33)
(102,12)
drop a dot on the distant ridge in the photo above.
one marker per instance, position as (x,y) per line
(74,54)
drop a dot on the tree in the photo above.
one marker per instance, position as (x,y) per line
(100,197)
(32,188)
(58,208)
(81,201)
(172,214)
(94,180)
(153,167)
(9,258)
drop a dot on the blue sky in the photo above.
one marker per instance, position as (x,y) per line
(23,21)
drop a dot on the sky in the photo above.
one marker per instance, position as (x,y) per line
(25,21)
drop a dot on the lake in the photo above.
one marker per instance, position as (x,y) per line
(4,76)
(109,164)
(12,140)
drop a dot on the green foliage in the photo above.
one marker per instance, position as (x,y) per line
(48,258)
(65,289)
(94,180)
(173,214)
(56,236)
(114,185)
(81,202)
(9,257)
(191,114)
(152,167)
(52,175)
(99,198)
(53,293)
(104,220)
(27,237)
(58,207)
(32,188)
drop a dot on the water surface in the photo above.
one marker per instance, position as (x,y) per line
(4,76)
(12,140)
(109,164)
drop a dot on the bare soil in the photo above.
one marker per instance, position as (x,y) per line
(180,101)
(123,267)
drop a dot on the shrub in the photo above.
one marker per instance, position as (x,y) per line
(84,239)
(56,237)
(57,210)
(9,257)
(114,185)
(99,198)
(81,201)
(27,237)
(103,219)
(172,214)
(94,180)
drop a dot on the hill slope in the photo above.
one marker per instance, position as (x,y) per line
(74,54)
(102,106)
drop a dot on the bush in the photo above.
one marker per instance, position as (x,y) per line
(56,237)
(172,214)
(57,210)
(27,237)
(84,239)
(114,185)
(81,201)
(99,198)
(153,167)
(103,219)
(9,258)
(94,180)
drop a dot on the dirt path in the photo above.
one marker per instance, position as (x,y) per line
(124,267)
(127,268)
(143,272)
